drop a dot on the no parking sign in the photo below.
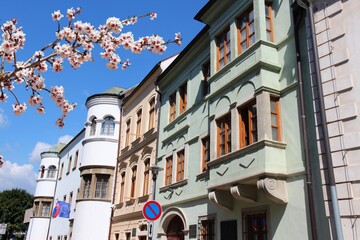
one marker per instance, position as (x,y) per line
(152,210)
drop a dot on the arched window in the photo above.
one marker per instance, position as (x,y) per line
(42,171)
(93,127)
(152,113)
(51,172)
(108,126)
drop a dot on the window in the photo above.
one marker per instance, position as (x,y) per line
(138,123)
(206,228)
(248,124)
(108,126)
(93,127)
(275,119)
(70,198)
(183,97)
(172,100)
(116,236)
(45,209)
(69,165)
(127,134)
(168,168)
(64,198)
(51,171)
(152,113)
(180,166)
(146,177)
(61,170)
(254,226)
(36,209)
(76,159)
(122,187)
(101,187)
(42,171)
(269,22)
(133,182)
(223,48)
(87,185)
(246,30)
(205,152)
(224,135)
(206,75)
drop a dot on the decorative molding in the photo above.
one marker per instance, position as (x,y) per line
(222,198)
(273,189)
(244,193)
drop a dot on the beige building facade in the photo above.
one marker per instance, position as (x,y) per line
(137,152)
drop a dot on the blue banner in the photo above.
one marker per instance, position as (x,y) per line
(61,209)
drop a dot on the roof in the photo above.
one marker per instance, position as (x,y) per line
(114,90)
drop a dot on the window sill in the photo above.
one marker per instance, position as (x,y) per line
(144,198)
(250,148)
(174,185)
(93,199)
(203,175)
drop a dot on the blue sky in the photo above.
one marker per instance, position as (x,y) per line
(22,138)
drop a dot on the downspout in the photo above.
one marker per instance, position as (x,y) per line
(116,171)
(332,184)
(298,17)
(157,138)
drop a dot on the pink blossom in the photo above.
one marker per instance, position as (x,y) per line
(19,108)
(114,24)
(56,16)
(153,15)
(70,14)
(3,97)
(40,109)
(34,100)
(60,123)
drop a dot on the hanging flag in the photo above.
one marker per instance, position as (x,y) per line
(61,209)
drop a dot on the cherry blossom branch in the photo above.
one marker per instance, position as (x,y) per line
(73,43)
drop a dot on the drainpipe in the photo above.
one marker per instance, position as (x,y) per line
(308,5)
(297,17)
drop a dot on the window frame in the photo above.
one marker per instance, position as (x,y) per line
(93,127)
(205,152)
(86,191)
(75,160)
(102,186)
(180,165)
(245,15)
(183,97)
(223,41)
(247,131)
(133,182)
(168,170)
(269,17)
(205,235)
(245,224)
(152,113)
(122,187)
(108,126)
(51,173)
(127,132)
(277,116)
(206,76)
(138,123)
(69,165)
(146,177)
(172,104)
(226,132)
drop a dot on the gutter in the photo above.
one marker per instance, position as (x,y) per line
(334,205)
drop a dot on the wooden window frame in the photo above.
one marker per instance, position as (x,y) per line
(205,152)
(168,170)
(122,187)
(102,186)
(207,228)
(224,130)
(133,182)
(269,18)
(86,193)
(276,113)
(138,123)
(246,28)
(206,76)
(223,41)
(180,165)
(146,177)
(172,102)
(248,130)
(127,132)
(108,126)
(183,97)
(152,113)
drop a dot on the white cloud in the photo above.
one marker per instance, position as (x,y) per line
(65,139)
(3,119)
(13,175)
(40,147)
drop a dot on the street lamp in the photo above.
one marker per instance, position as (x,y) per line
(154,171)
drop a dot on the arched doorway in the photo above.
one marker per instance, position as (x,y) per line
(175,229)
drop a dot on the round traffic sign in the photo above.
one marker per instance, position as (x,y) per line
(152,210)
